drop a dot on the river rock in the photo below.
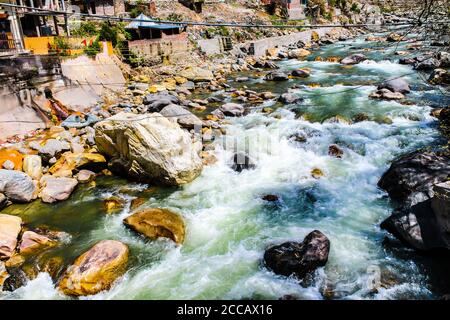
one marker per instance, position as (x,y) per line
(270,197)
(410,178)
(197,74)
(232,109)
(17,186)
(298,259)
(276,76)
(337,119)
(155,223)
(95,270)
(32,166)
(427,64)
(56,189)
(75,121)
(10,227)
(335,151)
(85,176)
(394,37)
(300,73)
(289,98)
(8,165)
(113,204)
(386,94)
(53,148)
(3,274)
(149,149)
(241,161)
(3,201)
(32,241)
(440,76)
(185,118)
(157,101)
(298,53)
(396,85)
(16,279)
(444,59)
(353,59)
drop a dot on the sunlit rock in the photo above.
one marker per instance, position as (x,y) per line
(95,270)
(154,223)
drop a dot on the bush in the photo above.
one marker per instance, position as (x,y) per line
(93,49)
(87,28)
(355,8)
(62,46)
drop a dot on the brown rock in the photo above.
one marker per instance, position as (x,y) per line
(32,241)
(113,204)
(154,223)
(10,227)
(96,269)
(334,150)
(136,203)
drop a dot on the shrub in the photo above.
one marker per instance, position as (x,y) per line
(93,49)
(87,28)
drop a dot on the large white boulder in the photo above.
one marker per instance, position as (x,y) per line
(148,148)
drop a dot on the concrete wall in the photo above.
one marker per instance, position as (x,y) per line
(260,46)
(78,83)
(210,46)
(169,47)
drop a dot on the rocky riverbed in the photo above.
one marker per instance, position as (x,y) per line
(201,185)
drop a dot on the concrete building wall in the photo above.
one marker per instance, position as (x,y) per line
(168,47)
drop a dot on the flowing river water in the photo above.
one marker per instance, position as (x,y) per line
(229,225)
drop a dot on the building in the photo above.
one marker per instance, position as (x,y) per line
(100,7)
(290,9)
(157,42)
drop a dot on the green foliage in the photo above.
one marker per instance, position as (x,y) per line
(136,11)
(355,8)
(224,31)
(62,46)
(87,28)
(108,33)
(93,49)
(176,17)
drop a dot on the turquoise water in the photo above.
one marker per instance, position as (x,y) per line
(229,226)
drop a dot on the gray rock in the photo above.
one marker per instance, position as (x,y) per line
(56,189)
(8,165)
(232,109)
(410,179)
(75,121)
(428,64)
(444,59)
(17,186)
(353,59)
(298,259)
(185,118)
(396,85)
(276,76)
(3,201)
(289,98)
(53,148)
(157,101)
(386,94)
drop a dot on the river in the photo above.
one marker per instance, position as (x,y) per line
(229,225)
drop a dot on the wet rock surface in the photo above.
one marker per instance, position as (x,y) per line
(298,258)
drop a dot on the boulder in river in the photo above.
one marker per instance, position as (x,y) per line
(427,64)
(386,94)
(444,59)
(232,109)
(32,241)
(335,151)
(440,76)
(85,176)
(298,258)
(276,76)
(396,85)
(298,53)
(410,178)
(241,161)
(17,186)
(148,148)
(3,201)
(155,223)
(289,98)
(10,227)
(197,74)
(300,73)
(157,101)
(353,59)
(183,117)
(95,270)
(56,188)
